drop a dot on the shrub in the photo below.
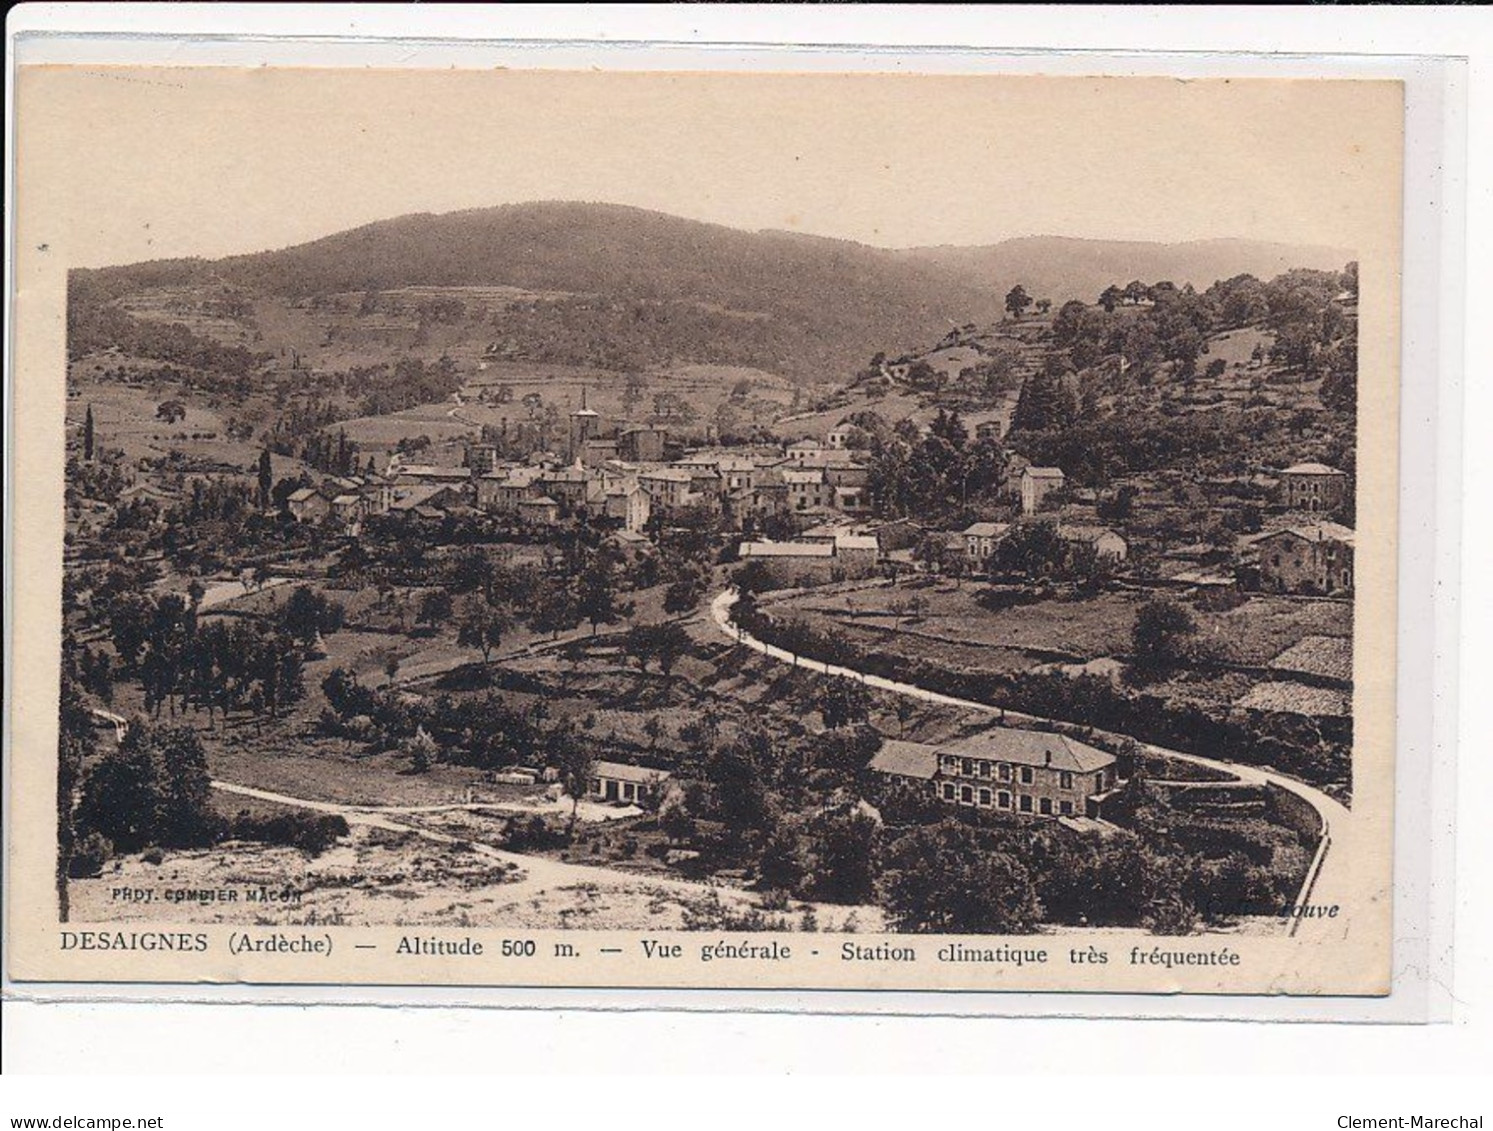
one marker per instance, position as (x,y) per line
(312,833)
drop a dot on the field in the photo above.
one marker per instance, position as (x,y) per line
(957,627)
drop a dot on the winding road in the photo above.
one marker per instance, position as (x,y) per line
(1329,881)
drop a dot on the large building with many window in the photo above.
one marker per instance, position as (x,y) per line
(1027,772)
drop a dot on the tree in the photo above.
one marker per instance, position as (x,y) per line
(1159,640)
(1046,402)
(674,818)
(946,879)
(554,609)
(685,589)
(309,615)
(1111,298)
(482,626)
(154,789)
(421,750)
(266,478)
(74,748)
(171,411)
(844,856)
(597,597)
(88,434)
(391,668)
(436,608)
(1017,300)
(932,551)
(662,642)
(739,772)
(572,756)
(843,702)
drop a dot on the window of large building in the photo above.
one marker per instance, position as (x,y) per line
(984,769)
(966,795)
(968,767)
(1026,775)
(1026,803)
(1065,779)
(1005,772)
(984,797)
(1046,807)
(1065,808)
(1003,799)
(948,791)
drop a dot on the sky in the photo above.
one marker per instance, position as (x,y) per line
(215,161)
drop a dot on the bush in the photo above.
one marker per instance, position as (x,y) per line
(312,833)
(90,855)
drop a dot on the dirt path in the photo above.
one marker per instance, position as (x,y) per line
(1329,883)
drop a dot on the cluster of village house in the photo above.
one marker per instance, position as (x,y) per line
(822,485)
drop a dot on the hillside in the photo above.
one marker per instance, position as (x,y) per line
(675,290)
(1059,268)
(624,289)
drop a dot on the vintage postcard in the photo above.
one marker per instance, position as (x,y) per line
(724,530)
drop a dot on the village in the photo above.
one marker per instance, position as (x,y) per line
(1041,587)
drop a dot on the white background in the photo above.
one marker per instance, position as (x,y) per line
(1160,1072)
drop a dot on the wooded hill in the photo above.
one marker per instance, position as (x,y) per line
(626,288)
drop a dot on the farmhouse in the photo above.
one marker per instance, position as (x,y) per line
(981,538)
(801,450)
(839,436)
(616,781)
(543,511)
(1312,487)
(1027,772)
(1106,543)
(630,504)
(1305,559)
(808,489)
(1036,484)
(308,505)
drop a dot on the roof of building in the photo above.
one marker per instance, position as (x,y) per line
(1311,469)
(1085,533)
(985,529)
(542,501)
(430,471)
(805,446)
(1286,697)
(829,530)
(574,474)
(856,542)
(1043,472)
(1327,656)
(1310,532)
(1030,748)
(623,772)
(906,759)
(802,476)
(302,495)
(786,550)
(670,474)
(412,497)
(345,500)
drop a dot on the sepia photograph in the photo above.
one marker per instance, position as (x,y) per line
(768,519)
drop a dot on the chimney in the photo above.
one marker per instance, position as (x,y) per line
(1048,756)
